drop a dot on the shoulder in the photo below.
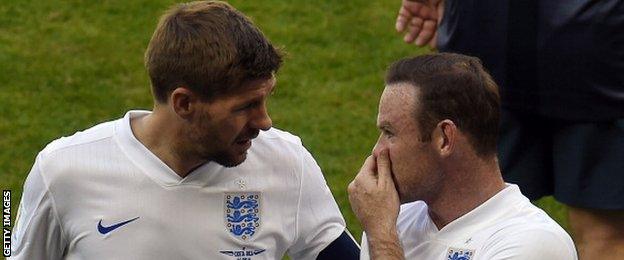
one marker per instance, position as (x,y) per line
(530,235)
(278,146)
(531,243)
(276,136)
(284,155)
(69,151)
(96,133)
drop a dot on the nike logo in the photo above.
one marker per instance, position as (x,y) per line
(104,230)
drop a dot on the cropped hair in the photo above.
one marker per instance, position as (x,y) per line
(210,48)
(455,87)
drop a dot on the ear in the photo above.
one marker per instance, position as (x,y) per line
(445,137)
(183,101)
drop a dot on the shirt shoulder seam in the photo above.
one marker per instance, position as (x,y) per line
(53,201)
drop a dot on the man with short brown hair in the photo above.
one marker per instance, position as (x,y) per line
(202,176)
(211,48)
(560,67)
(436,155)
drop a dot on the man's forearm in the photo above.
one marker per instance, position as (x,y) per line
(385,245)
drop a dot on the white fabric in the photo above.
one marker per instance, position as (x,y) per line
(507,226)
(105,174)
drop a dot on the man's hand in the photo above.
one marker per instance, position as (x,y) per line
(373,197)
(375,201)
(421,19)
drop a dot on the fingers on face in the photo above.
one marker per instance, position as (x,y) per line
(369,166)
(384,170)
(365,177)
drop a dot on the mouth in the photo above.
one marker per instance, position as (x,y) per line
(245,142)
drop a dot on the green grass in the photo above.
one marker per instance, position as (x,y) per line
(66,65)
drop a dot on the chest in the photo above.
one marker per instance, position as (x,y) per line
(460,246)
(232,218)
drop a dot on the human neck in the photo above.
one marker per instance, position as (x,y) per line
(466,187)
(159,135)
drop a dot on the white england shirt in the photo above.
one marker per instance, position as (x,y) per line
(507,226)
(100,194)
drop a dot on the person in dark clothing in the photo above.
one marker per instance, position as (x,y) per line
(560,66)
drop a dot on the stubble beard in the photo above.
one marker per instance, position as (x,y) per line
(227,161)
(209,149)
(223,156)
(425,189)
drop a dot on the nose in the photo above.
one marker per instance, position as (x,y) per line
(262,120)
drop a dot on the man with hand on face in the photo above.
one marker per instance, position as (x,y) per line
(436,155)
(202,176)
(560,68)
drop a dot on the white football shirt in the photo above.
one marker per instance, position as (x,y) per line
(507,226)
(100,194)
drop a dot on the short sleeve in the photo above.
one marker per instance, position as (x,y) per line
(37,233)
(531,244)
(319,221)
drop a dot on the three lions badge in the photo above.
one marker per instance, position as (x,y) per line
(459,254)
(242,214)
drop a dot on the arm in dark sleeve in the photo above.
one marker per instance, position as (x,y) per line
(344,247)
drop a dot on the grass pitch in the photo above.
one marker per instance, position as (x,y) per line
(67,65)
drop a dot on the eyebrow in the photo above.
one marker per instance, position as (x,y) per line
(260,96)
(254,99)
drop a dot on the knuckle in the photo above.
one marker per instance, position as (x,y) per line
(351,187)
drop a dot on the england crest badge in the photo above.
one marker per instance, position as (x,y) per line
(459,254)
(242,214)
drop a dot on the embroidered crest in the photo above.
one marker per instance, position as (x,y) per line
(242,214)
(459,254)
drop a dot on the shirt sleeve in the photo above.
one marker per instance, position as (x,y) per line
(319,221)
(531,244)
(37,233)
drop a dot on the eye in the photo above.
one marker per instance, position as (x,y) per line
(387,133)
(249,106)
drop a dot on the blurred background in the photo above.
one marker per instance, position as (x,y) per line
(68,65)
